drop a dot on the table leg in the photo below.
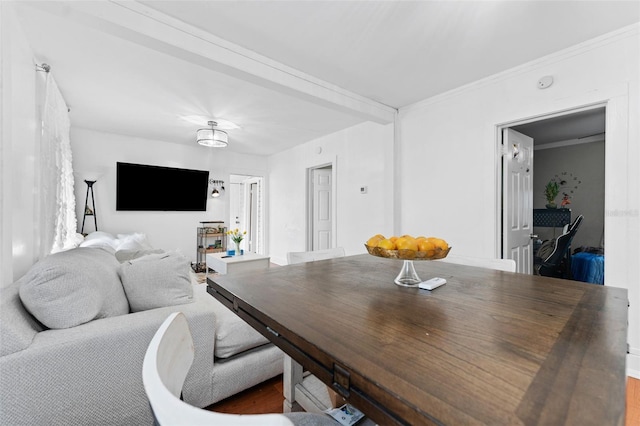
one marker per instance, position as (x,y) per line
(292,375)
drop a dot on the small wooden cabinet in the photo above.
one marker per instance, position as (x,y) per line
(211,238)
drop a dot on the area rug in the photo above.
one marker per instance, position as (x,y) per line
(200,277)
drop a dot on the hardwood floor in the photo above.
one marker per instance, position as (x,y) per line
(633,402)
(260,399)
(267,398)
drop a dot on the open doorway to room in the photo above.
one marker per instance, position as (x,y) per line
(569,150)
(246,210)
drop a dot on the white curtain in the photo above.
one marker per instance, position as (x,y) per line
(57,199)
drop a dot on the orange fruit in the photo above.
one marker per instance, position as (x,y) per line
(426,245)
(407,243)
(439,243)
(394,238)
(387,244)
(373,241)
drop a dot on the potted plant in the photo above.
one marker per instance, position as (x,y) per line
(551,191)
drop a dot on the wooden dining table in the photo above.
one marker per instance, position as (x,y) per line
(488,347)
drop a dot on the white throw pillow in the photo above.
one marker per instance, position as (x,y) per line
(100,239)
(100,235)
(135,241)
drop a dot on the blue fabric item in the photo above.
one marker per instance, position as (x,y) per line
(588,267)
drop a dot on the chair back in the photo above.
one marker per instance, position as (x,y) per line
(294,257)
(166,363)
(552,265)
(508,265)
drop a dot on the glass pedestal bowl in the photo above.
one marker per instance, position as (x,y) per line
(408,277)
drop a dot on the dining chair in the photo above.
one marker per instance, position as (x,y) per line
(294,257)
(508,265)
(166,363)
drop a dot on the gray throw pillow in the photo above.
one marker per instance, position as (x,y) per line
(73,287)
(157,280)
(17,327)
(125,255)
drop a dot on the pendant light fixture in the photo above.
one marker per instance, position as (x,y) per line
(212,137)
(218,187)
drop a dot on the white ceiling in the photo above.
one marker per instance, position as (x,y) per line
(127,78)
(579,125)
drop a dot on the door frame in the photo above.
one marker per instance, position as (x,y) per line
(255,232)
(309,204)
(501,151)
(620,201)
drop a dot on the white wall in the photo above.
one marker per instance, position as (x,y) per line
(95,155)
(449,180)
(586,163)
(362,156)
(19,234)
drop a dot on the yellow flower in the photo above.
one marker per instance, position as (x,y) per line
(236,235)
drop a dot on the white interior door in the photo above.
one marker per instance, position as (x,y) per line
(253,216)
(246,211)
(321,209)
(517,190)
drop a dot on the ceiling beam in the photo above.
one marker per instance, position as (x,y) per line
(137,23)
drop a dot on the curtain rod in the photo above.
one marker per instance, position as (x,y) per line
(44,67)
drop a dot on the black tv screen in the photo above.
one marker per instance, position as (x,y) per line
(153,188)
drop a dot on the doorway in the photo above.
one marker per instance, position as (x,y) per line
(246,210)
(320,207)
(569,148)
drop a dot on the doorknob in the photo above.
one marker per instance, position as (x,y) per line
(532,236)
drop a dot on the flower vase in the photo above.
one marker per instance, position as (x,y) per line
(238,252)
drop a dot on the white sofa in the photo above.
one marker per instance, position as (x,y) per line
(90,373)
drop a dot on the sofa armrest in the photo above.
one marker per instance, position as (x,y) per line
(97,367)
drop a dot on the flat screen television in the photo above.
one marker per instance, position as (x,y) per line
(141,187)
